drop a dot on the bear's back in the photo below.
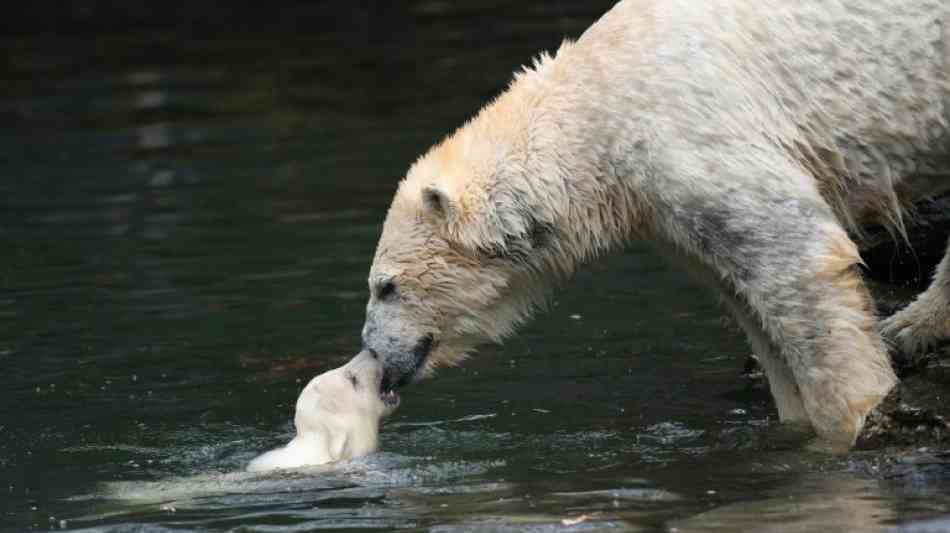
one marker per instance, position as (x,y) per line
(859,88)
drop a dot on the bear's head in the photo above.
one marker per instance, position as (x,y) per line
(466,253)
(487,223)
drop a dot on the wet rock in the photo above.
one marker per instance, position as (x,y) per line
(915,413)
(924,365)
(899,421)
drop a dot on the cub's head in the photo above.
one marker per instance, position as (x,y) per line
(344,400)
(337,418)
(466,254)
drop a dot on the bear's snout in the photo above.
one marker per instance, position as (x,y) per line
(401,361)
(395,337)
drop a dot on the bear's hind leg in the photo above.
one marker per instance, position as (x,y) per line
(925,321)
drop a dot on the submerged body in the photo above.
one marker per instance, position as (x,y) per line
(750,139)
(337,418)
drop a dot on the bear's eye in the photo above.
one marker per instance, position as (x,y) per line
(386,290)
(354,381)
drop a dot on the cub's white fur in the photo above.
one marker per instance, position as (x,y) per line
(338,416)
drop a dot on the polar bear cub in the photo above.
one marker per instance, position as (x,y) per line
(337,418)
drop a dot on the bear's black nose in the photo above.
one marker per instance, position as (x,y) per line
(384,289)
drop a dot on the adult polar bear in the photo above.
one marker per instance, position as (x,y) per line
(747,137)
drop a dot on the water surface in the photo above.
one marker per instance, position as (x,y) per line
(189,203)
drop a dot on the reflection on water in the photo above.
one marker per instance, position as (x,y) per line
(190,200)
(816,502)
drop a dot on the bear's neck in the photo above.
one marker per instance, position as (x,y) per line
(583,160)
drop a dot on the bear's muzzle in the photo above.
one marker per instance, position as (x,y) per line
(401,362)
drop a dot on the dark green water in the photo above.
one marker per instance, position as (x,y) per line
(189,203)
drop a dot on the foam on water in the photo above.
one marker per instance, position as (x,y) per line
(346,485)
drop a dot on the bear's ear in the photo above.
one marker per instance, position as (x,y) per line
(437,203)
(503,228)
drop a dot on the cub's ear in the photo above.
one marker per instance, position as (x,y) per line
(437,203)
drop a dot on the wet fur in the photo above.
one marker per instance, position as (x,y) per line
(335,419)
(752,138)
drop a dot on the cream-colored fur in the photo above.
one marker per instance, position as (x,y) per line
(337,418)
(751,136)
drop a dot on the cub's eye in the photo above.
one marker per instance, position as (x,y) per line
(386,290)
(354,381)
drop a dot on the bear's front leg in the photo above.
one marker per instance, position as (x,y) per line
(831,342)
(775,245)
